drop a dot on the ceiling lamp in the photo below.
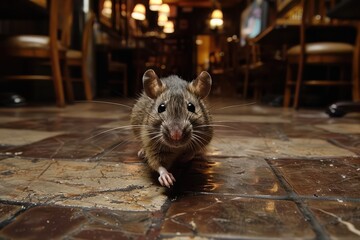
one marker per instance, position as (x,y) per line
(216,18)
(169,27)
(162,19)
(154,5)
(107,8)
(165,9)
(139,12)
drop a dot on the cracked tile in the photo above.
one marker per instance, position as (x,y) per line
(8,211)
(56,222)
(44,222)
(235,217)
(340,218)
(90,184)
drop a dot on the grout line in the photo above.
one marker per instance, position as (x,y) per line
(330,198)
(24,207)
(316,226)
(268,197)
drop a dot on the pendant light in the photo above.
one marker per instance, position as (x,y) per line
(169,27)
(139,12)
(164,9)
(107,8)
(216,18)
(162,19)
(155,5)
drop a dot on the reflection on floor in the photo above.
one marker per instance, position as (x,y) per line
(269,173)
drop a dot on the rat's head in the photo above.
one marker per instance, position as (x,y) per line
(179,117)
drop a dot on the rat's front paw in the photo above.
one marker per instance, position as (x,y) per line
(141,153)
(166,179)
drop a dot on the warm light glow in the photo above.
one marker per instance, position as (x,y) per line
(155,5)
(139,12)
(169,27)
(165,9)
(107,8)
(162,19)
(216,18)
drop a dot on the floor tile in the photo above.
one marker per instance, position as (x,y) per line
(44,223)
(275,148)
(57,124)
(8,211)
(232,175)
(88,184)
(235,217)
(53,222)
(71,146)
(337,178)
(16,137)
(350,142)
(5,119)
(115,225)
(222,118)
(344,128)
(341,219)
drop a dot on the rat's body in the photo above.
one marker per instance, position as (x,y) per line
(171,121)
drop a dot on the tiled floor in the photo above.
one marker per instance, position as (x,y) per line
(270,173)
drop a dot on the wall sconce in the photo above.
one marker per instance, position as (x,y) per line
(162,19)
(169,27)
(139,12)
(155,5)
(164,9)
(216,19)
(107,8)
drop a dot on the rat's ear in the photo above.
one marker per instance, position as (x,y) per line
(153,87)
(201,86)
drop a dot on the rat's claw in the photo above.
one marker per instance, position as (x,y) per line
(166,179)
(141,153)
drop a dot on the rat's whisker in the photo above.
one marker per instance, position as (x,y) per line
(113,129)
(105,102)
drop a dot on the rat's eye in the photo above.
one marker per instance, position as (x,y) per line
(161,108)
(191,107)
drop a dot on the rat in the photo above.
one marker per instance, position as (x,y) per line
(172,122)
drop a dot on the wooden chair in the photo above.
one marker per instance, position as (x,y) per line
(326,53)
(51,47)
(79,58)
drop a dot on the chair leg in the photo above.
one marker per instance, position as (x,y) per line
(58,85)
(298,84)
(287,94)
(68,83)
(87,83)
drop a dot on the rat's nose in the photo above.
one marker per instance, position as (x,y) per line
(176,134)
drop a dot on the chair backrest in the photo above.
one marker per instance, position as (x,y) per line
(60,11)
(65,15)
(87,34)
(61,16)
(314,13)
